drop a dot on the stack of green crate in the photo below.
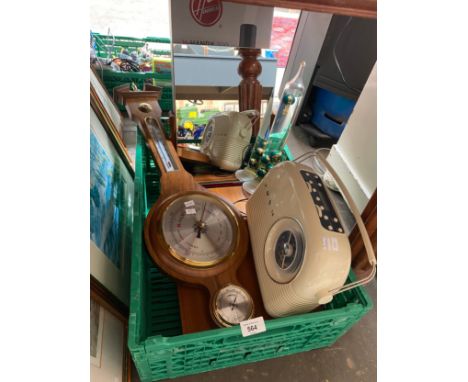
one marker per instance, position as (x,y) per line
(111,46)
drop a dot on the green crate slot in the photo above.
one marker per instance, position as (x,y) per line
(112,79)
(158,347)
(166,105)
(166,93)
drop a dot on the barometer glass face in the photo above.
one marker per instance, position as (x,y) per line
(200,230)
(233,305)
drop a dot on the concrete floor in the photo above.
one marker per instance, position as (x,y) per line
(353,358)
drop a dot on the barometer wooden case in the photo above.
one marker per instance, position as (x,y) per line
(193,235)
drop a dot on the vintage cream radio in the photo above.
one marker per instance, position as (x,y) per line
(226,138)
(301,251)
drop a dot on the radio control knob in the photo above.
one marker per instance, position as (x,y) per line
(319,210)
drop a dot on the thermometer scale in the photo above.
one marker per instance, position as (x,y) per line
(161,145)
(193,235)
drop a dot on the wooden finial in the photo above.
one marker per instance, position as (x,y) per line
(250,89)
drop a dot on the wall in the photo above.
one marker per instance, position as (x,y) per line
(354,157)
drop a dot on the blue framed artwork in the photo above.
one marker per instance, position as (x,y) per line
(111,213)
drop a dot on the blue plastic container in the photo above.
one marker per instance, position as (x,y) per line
(330,112)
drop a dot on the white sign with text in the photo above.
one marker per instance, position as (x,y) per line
(253,326)
(214,22)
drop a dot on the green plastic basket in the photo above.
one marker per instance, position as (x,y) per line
(110,46)
(158,347)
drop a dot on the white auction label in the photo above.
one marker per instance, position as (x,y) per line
(190,203)
(253,326)
(190,211)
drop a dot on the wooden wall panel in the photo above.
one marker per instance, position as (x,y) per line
(358,8)
(369,216)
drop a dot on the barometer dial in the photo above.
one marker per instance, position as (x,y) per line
(232,305)
(199,230)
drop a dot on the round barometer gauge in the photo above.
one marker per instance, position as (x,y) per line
(232,305)
(199,230)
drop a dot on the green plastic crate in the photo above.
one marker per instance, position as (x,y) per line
(166,99)
(158,347)
(112,78)
(110,46)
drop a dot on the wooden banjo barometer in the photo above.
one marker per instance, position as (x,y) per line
(193,235)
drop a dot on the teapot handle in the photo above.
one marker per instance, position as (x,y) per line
(360,224)
(253,114)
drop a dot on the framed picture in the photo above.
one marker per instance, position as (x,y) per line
(110,359)
(107,102)
(96,327)
(111,213)
(110,117)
